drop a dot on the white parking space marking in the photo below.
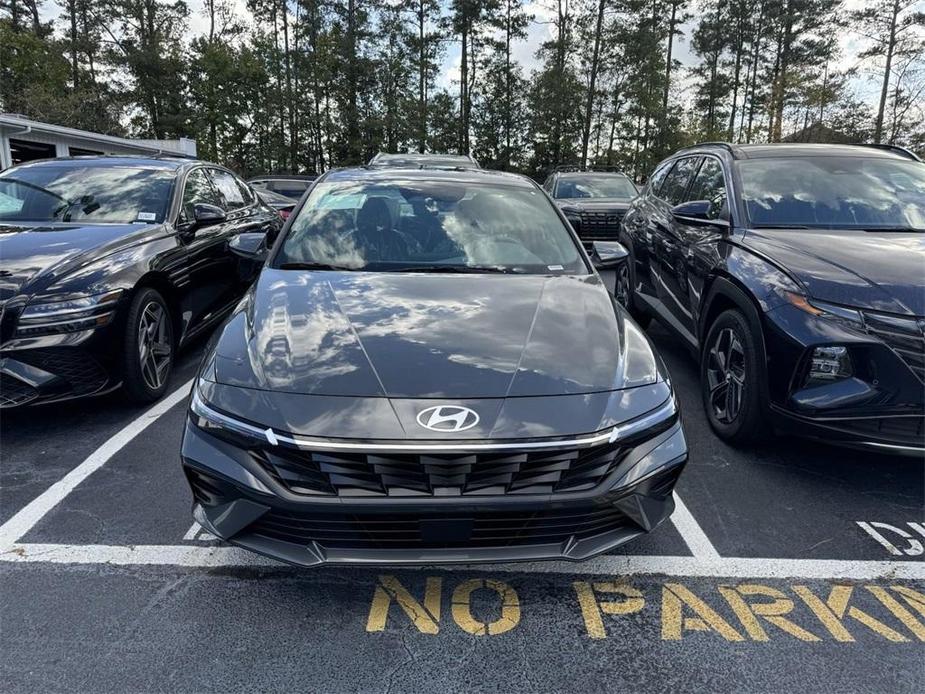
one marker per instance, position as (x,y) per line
(910,545)
(609,565)
(192,532)
(691,532)
(26,518)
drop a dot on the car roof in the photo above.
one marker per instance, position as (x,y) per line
(449,175)
(423,158)
(581,174)
(282,177)
(801,149)
(103,161)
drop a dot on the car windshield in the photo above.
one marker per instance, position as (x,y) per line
(429,226)
(102,194)
(595,187)
(869,193)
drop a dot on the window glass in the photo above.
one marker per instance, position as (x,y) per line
(199,189)
(416,224)
(106,194)
(231,194)
(834,192)
(675,184)
(601,186)
(246,192)
(291,188)
(656,179)
(709,184)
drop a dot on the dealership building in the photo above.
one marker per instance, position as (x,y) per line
(24,140)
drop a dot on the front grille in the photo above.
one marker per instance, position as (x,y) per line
(14,392)
(600,226)
(82,373)
(445,530)
(905,336)
(496,473)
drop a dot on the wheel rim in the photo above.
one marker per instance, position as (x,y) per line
(622,287)
(726,375)
(154,349)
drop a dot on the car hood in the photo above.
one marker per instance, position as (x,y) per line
(880,271)
(595,204)
(405,335)
(34,256)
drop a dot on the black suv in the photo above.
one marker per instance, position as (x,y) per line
(594,202)
(797,273)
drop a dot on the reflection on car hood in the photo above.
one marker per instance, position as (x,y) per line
(30,253)
(880,271)
(414,335)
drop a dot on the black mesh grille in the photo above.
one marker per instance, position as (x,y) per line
(600,226)
(14,392)
(82,373)
(372,474)
(449,529)
(905,336)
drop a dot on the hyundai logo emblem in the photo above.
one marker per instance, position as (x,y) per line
(448,418)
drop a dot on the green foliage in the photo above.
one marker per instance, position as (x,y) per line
(303,85)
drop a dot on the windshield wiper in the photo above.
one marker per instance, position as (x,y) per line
(315,266)
(459,269)
(895,229)
(784,226)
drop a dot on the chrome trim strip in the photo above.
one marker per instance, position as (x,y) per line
(667,409)
(23,325)
(65,311)
(893,446)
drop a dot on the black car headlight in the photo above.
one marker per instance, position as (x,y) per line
(67,315)
(211,420)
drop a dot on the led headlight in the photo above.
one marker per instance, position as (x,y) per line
(211,420)
(69,315)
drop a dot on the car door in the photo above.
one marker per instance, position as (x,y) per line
(667,245)
(637,231)
(211,271)
(699,238)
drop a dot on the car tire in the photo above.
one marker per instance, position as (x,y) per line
(623,292)
(148,347)
(731,378)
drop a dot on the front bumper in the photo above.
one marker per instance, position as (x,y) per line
(57,367)
(242,503)
(880,406)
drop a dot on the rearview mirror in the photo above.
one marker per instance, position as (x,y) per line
(251,245)
(205,214)
(607,255)
(694,209)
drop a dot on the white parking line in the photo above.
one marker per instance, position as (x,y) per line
(609,565)
(697,541)
(26,518)
(192,532)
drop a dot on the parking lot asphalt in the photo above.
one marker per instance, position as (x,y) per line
(796,566)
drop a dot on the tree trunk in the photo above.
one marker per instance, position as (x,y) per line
(890,48)
(592,83)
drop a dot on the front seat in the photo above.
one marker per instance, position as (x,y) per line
(376,234)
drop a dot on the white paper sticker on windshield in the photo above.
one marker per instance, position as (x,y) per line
(147,216)
(554,268)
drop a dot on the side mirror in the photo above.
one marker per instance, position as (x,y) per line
(607,255)
(205,215)
(251,246)
(693,210)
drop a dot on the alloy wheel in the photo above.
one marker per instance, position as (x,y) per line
(726,375)
(154,348)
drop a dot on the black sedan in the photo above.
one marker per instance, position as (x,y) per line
(429,369)
(797,273)
(594,202)
(108,265)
